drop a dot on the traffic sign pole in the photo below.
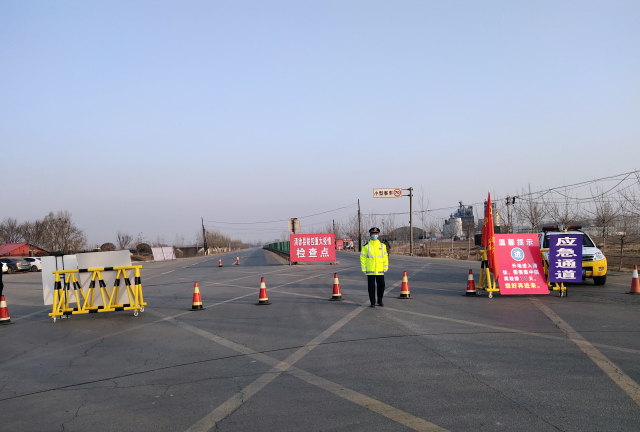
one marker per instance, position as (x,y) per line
(410,221)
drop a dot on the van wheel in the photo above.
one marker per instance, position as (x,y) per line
(600,280)
(10,271)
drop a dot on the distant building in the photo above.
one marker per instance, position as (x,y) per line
(458,222)
(20,250)
(403,234)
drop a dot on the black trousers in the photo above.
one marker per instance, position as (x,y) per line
(372,281)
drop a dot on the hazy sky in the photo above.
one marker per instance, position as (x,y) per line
(146,116)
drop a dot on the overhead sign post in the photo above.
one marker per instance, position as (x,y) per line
(387,193)
(294,225)
(397,193)
(520,264)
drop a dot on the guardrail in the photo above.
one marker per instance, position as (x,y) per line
(281,248)
(85,301)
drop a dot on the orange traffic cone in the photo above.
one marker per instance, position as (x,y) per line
(220,263)
(635,285)
(237,260)
(4,312)
(263,299)
(197,300)
(337,295)
(471,285)
(404,290)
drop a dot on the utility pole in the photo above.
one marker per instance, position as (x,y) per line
(204,239)
(510,201)
(410,221)
(334,228)
(359,229)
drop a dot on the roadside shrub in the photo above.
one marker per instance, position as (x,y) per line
(106,247)
(143,248)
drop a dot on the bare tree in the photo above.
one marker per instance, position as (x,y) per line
(62,233)
(34,233)
(351,227)
(432,229)
(530,210)
(10,231)
(388,227)
(469,231)
(604,212)
(563,209)
(178,241)
(124,240)
(631,196)
(627,225)
(159,242)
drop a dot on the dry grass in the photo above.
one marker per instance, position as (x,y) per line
(440,249)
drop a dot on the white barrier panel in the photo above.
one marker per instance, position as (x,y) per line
(51,264)
(102,260)
(163,253)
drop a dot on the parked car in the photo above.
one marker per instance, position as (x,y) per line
(36,264)
(4,268)
(16,264)
(594,263)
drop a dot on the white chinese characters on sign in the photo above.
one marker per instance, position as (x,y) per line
(565,258)
(312,247)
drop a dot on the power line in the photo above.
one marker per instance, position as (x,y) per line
(281,220)
(540,192)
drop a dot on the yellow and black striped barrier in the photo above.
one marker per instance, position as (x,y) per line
(85,302)
(486,283)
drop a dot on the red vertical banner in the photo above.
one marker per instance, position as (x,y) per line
(339,244)
(312,247)
(488,238)
(518,257)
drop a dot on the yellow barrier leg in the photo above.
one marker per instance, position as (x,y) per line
(129,289)
(79,295)
(58,300)
(139,289)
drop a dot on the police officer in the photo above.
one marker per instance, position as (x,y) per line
(374,261)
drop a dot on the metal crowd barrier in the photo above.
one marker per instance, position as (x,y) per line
(281,248)
(85,302)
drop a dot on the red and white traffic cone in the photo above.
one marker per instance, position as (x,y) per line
(4,312)
(337,295)
(635,285)
(471,285)
(220,263)
(263,299)
(404,290)
(237,260)
(197,300)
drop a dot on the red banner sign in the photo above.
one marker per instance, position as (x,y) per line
(339,244)
(312,247)
(520,264)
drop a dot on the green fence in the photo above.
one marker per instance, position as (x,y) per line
(281,248)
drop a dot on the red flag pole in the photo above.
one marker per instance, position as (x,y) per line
(488,241)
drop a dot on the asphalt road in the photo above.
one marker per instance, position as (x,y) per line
(441,361)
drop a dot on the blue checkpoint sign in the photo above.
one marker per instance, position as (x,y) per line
(565,258)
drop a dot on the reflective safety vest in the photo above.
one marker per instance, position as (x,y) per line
(374,259)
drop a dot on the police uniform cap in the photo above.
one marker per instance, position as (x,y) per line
(374,230)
